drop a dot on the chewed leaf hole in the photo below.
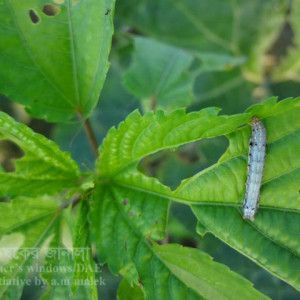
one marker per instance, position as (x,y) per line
(8,152)
(34,16)
(51,10)
(170,167)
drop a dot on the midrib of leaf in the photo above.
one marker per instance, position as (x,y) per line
(25,44)
(73,53)
(36,244)
(174,197)
(201,27)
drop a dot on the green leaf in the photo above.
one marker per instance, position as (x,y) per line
(211,26)
(218,62)
(139,136)
(54,56)
(24,225)
(84,268)
(220,88)
(127,292)
(59,268)
(123,226)
(159,75)
(269,240)
(209,279)
(216,194)
(122,217)
(43,170)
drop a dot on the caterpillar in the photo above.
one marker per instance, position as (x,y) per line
(256,162)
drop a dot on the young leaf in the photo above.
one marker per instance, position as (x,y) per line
(27,223)
(54,56)
(159,75)
(214,26)
(43,170)
(217,192)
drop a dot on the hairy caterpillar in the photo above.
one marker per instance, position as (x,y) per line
(256,162)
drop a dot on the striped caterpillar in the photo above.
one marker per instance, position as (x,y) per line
(256,162)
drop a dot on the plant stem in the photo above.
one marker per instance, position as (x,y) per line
(89,132)
(91,137)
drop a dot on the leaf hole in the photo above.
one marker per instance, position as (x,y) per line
(51,10)
(140,282)
(8,152)
(34,16)
(125,201)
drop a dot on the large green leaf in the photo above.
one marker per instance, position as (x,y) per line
(159,75)
(54,55)
(44,169)
(24,225)
(216,194)
(271,240)
(219,27)
(124,222)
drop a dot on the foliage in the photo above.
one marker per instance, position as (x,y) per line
(63,53)
(54,60)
